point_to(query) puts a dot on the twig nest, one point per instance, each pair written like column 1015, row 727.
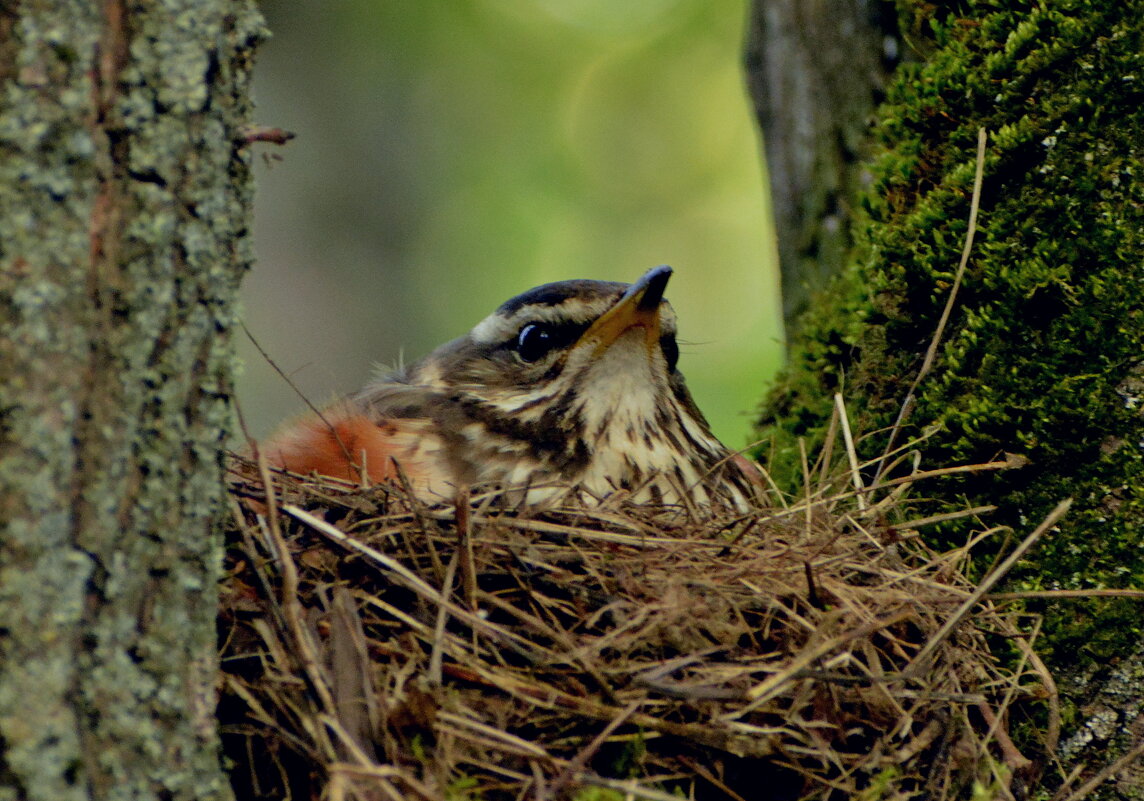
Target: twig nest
column 375, row 648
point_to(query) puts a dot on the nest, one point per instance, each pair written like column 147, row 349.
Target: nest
column 374, row 648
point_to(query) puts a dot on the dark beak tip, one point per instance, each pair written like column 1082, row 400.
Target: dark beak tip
column 652, row 285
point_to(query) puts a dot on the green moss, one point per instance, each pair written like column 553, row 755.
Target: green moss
column 598, row 794
column 1045, row 350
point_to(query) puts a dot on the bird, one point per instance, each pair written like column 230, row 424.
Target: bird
column 569, row 389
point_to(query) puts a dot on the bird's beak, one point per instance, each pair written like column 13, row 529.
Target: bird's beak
column 637, row 308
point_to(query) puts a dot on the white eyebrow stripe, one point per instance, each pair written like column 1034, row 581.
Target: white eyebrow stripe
column 497, row 328
column 489, row 330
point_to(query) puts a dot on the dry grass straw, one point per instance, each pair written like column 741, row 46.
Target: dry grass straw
column 378, row 649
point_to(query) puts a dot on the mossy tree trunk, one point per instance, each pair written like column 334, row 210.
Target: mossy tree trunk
column 124, row 212
column 1044, row 354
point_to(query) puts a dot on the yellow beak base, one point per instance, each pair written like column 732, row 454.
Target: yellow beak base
column 638, row 308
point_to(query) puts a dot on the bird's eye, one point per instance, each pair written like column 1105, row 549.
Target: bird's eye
column 670, row 350
column 534, row 342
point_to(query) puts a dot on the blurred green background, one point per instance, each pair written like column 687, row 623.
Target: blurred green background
column 453, row 153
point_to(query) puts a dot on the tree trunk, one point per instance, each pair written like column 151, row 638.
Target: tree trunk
column 816, row 70
column 124, row 215
column 1044, row 352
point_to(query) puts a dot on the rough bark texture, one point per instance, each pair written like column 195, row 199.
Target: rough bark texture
column 124, row 202
column 816, row 70
column 1045, row 351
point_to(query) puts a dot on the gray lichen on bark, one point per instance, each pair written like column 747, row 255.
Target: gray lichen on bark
column 124, row 203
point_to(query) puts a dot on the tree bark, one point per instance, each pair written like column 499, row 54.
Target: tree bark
column 816, row 69
column 1044, row 352
column 124, row 215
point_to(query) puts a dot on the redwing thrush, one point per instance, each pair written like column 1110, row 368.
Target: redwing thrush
column 570, row 386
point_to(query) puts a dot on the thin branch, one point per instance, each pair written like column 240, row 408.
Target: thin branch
column 248, row 134
column 298, row 392
column 935, row 342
